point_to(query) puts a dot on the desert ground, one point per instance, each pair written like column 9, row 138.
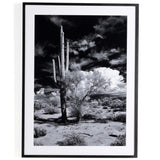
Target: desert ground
column 102, row 122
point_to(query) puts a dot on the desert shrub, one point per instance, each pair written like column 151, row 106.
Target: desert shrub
column 55, row 101
column 116, row 103
column 101, row 120
column 45, row 104
column 72, row 140
column 50, row 110
column 88, row 117
column 39, row 132
column 36, row 116
column 120, row 141
column 94, row 103
column 81, row 84
column 74, row 112
column 44, row 101
column 120, row 116
column 110, row 116
column 106, row 103
column 37, row 106
column 40, row 96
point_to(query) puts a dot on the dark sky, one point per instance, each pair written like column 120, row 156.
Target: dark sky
column 99, row 41
column 74, row 27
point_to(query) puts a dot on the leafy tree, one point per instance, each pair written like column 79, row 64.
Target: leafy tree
column 81, row 84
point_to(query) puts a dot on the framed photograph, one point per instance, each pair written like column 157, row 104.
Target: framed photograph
column 80, row 72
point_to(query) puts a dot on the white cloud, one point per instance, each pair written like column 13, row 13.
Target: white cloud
column 120, row 60
column 59, row 21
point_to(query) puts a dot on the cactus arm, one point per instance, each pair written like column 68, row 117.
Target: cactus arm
column 62, row 53
column 59, row 65
column 67, row 56
column 54, row 71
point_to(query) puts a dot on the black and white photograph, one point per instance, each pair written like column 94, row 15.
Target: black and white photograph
column 80, row 80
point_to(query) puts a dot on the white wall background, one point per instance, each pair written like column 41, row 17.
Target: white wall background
column 149, row 78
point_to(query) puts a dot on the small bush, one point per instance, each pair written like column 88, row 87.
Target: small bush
column 106, row 103
column 117, row 103
column 37, row 106
column 101, row 120
column 120, row 117
column 110, row 116
column 74, row 112
column 88, row 117
column 120, row 141
column 72, row 140
column 40, row 105
column 45, row 104
column 94, row 103
column 55, row 101
column 37, row 114
column 39, row 132
column 50, row 110
column 45, row 101
column 36, row 117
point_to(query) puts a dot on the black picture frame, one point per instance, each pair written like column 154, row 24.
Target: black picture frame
column 135, row 80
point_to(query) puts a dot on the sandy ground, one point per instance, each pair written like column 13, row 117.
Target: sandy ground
column 94, row 134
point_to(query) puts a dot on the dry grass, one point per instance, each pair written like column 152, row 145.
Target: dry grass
column 120, row 141
column 72, row 140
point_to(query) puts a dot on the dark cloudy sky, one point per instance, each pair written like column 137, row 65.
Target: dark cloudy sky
column 95, row 41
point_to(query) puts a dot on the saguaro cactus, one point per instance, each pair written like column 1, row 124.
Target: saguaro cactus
column 67, row 56
column 54, row 71
column 62, row 53
column 61, row 71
